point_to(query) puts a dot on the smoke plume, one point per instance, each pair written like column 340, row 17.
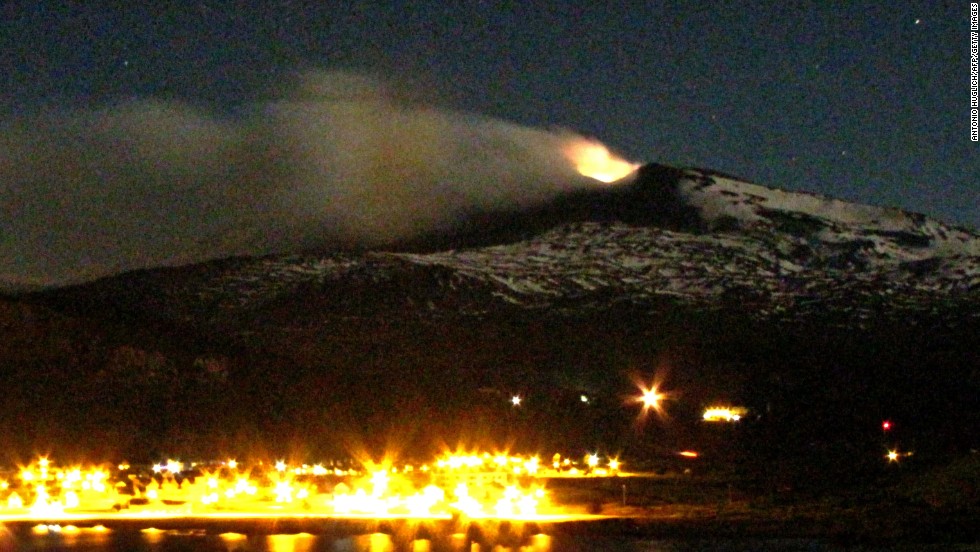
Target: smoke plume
column 334, row 162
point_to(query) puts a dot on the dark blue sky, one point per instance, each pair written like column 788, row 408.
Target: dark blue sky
column 866, row 101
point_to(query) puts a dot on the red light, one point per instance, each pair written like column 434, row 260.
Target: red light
column 886, row 425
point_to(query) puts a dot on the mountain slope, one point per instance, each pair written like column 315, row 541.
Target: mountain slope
column 695, row 237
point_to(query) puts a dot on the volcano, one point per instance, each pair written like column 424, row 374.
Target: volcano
column 791, row 303
column 698, row 238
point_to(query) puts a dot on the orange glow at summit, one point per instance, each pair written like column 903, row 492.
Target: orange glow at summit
column 594, row 160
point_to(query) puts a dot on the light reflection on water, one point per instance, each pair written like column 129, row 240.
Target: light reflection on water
column 71, row 539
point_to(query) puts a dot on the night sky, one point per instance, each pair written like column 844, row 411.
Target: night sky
column 866, row 101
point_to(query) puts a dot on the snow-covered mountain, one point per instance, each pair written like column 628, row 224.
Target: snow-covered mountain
column 692, row 237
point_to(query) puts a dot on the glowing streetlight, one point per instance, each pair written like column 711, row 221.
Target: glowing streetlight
column 892, row 456
column 651, row 398
column 516, row 400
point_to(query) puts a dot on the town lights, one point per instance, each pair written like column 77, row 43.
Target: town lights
column 724, row 413
column 474, row 485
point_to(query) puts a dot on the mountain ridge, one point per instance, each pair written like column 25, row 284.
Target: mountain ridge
column 664, row 231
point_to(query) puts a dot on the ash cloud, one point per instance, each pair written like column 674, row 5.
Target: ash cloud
column 336, row 161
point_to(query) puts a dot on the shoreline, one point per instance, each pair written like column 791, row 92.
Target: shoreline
column 673, row 522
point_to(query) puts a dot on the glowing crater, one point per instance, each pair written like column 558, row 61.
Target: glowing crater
column 594, row 160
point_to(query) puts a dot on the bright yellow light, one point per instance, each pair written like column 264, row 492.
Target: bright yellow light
column 594, row 160
column 892, row 456
column 472, row 485
column 724, row 413
column 516, row 400
column 651, row 399
column 174, row 466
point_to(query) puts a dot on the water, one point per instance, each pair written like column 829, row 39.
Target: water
column 104, row 540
